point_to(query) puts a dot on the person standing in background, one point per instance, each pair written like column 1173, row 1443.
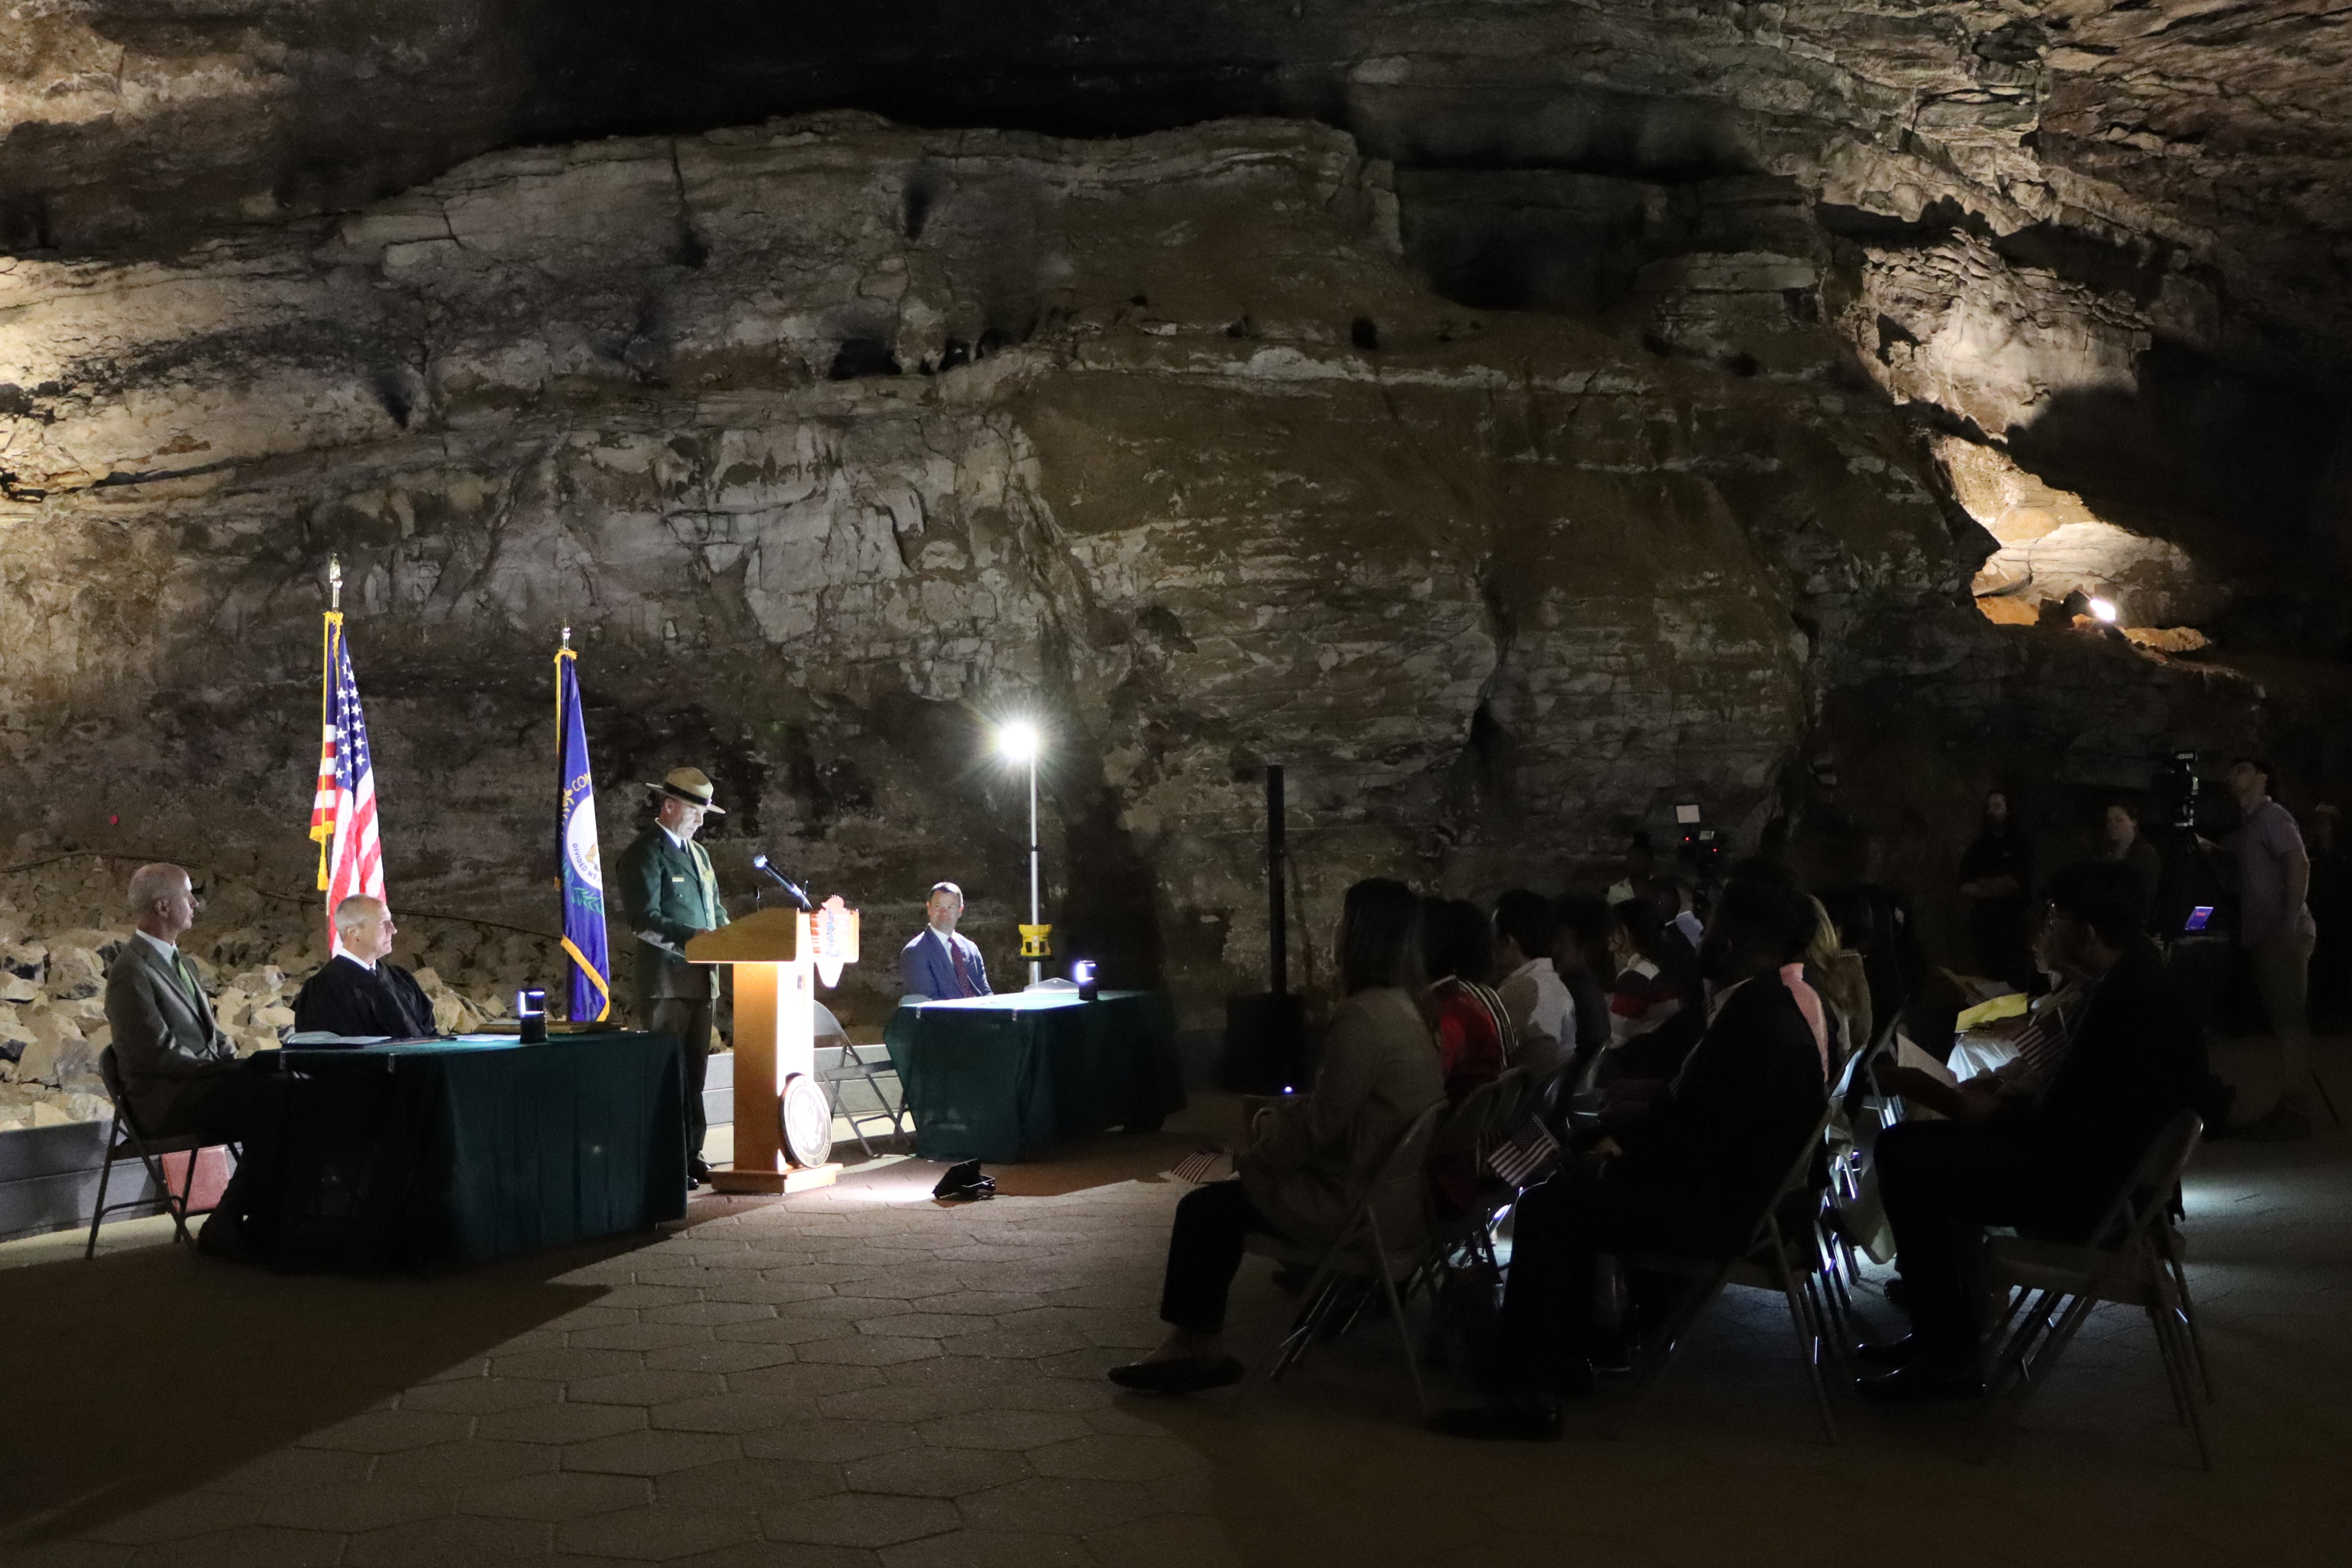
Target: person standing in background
column 2330, row 900
column 2124, row 843
column 1996, row 879
column 2275, row 927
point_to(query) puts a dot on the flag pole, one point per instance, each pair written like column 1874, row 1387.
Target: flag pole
column 324, row 831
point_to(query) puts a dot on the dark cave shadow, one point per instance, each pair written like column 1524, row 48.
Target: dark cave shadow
column 139, row 1375
column 2241, row 471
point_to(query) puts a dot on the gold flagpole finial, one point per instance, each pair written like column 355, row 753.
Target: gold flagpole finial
column 334, row 583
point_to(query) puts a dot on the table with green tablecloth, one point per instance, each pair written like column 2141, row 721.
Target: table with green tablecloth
column 435, row 1153
column 1007, row 1078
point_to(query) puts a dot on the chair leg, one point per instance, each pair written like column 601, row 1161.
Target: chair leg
column 1396, row 1312
column 1808, row 1334
column 2060, row 1335
column 105, row 1172
column 2188, row 1315
column 2189, row 1403
column 2329, row 1101
column 1650, row 1367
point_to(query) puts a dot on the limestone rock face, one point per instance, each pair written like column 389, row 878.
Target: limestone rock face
column 833, row 442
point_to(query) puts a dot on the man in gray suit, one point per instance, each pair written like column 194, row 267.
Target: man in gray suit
column 180, row 1073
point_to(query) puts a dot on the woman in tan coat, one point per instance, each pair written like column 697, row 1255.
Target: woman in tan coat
column 1379, row 1071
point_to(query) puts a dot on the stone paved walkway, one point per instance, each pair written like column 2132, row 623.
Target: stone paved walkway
column 862, row 1379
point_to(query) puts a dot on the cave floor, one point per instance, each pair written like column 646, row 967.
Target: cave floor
column 862, row 1378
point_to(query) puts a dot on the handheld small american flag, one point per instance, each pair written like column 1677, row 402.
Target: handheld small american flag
column 1517, row 1158
column 342, row 816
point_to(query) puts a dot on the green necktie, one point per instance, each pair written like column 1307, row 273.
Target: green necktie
column 187, row 979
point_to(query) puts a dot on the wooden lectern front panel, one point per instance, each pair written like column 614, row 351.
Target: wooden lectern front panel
column 758, row 1136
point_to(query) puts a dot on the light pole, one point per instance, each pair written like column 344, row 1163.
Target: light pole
column 1018, row 743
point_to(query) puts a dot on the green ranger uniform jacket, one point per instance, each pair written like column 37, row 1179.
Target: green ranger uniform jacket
column 670, row 894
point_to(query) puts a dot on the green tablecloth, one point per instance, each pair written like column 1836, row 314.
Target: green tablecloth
column 453, row 1151
column 1007, row 1078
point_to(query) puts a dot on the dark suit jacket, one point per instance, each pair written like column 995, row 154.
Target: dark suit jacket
column 346, row 998
column 1739, row 1112
column 925, row 970
column 670, row 893
column 164, row 1037
column 2137, row 1059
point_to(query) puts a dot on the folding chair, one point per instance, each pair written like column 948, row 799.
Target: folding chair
column 1361, row 1252
column 855, row 1067
column 1461, row 1139
column 1790, row 1261
column 125, row 1140
column 2131, row 1260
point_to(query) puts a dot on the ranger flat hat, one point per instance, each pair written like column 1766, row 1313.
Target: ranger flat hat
column 691, row 785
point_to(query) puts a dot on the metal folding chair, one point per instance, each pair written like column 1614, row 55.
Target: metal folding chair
column 1361, row 1252
column 2131, row 1260
column 1791, row 1261
column 125, row 1140
column 855, row 1067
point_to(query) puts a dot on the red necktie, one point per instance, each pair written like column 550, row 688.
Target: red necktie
column 963, row 979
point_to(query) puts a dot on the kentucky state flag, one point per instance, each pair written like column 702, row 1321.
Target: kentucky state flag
column 584, row 873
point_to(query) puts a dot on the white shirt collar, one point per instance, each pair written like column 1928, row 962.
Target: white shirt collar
column 169, row 950
column 673, row 838
column 363, row 963
column 1532, row 966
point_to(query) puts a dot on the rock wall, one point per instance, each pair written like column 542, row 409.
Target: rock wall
column 834, row 442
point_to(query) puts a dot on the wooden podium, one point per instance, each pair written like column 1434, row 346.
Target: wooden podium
column 778, row 956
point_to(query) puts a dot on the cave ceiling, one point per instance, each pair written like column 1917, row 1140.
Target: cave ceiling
column 2097, row 183
column 2207, row 136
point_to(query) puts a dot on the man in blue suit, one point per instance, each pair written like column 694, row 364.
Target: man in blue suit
column 938, row 965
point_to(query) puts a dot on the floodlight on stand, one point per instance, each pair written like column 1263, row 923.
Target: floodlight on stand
column 2104, row 611
column 1018, row 741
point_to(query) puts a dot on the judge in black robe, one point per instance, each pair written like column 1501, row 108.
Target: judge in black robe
column 361, row 991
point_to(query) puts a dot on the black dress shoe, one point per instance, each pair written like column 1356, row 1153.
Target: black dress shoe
column 697, row 1171
column 1515, row 1421
column 1922, row 1381
column 1178, row 1375
column 1887, row 1353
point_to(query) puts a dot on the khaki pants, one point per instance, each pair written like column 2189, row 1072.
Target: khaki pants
column 689, row 1019
column 2283, row 977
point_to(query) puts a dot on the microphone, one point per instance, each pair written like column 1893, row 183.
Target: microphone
column 759, row 863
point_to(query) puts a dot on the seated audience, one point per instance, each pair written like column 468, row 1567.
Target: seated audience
column 1378, row 1072
column 2039, row 1039
column 361, row 991
column 1581, row 956
column 1840, row 965
column 180, row 1075
column 1473, row 1034
column 1673, row 901
column 1719, row 1142
column 1540, row 1010
column 2051, row 1162
column 1649, row 988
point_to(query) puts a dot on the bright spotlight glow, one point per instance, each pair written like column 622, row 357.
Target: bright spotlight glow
column 1017, row 742
column 2105, row 610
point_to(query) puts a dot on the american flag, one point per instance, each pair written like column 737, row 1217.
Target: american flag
column 342, row 814
column 1519, row 1157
